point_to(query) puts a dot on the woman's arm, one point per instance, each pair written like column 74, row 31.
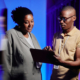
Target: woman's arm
column 7, row 59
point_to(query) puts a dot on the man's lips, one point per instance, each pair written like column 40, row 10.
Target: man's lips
column 62, row 25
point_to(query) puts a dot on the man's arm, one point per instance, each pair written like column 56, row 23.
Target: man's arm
column 72, row 64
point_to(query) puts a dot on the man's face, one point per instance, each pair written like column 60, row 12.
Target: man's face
column 68, row 23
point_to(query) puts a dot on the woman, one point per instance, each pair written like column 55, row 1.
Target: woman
column 18, row 62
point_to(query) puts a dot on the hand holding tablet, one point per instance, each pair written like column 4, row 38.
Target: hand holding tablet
column 42, row 55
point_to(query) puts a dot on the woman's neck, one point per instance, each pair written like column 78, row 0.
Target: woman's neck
column 26, row 34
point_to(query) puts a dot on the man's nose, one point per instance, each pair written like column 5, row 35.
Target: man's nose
column 61, row 21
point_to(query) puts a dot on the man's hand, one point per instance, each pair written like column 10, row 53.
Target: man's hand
column 48, row 48
column 58, row 59
column 69, row 64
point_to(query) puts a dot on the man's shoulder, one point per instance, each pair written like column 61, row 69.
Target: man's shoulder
column 57, row 34
column 77, row 31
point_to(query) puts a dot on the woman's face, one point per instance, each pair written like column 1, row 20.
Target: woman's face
column 28, row 23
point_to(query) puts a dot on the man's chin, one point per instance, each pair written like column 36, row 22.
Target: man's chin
column 63, row 28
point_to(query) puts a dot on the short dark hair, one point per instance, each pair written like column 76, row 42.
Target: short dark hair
column 68, row 8
column 19, row 13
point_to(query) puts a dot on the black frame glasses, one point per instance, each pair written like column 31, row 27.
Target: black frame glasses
column 64, row 18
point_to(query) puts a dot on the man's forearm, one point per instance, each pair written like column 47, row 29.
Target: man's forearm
column 73, row 64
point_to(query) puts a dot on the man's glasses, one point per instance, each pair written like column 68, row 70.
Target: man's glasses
column 64, row 18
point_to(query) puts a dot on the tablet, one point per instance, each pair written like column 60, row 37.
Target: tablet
column 42, row 55
column 1, row 57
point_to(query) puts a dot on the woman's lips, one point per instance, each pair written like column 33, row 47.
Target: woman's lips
column 29, row 28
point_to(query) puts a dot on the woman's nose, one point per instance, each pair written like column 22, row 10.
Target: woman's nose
column 29, row 24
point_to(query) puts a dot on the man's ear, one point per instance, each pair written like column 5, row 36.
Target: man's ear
column 74, row 18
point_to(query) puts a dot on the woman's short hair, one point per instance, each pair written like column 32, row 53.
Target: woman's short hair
column 19, row 13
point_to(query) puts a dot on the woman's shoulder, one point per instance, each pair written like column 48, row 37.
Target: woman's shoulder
column 10, row 31
column 31, row 34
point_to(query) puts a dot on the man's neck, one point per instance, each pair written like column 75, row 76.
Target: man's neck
column 67, row 30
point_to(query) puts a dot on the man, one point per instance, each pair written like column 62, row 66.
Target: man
column 66, row 46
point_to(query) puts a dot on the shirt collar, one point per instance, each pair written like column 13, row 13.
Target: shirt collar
column 70, row 33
